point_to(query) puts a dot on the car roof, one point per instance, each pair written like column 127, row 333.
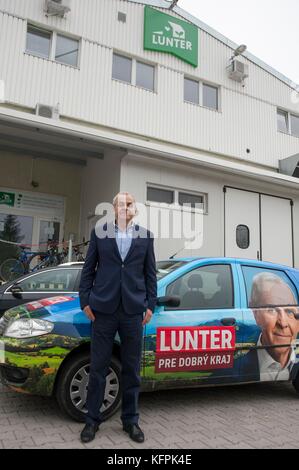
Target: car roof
column 230, row 260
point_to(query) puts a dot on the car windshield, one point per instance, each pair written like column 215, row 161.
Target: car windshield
column 163, row 268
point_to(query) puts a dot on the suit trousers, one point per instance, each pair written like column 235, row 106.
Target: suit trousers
column 104, row 329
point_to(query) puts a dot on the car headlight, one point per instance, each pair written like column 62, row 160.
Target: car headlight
column 28, row 327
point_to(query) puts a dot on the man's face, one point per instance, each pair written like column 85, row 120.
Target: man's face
column 125, row 208
column 278, row 324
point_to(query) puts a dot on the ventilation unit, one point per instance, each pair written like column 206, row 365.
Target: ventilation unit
column 238, row 71
column 57, row 7
column 50, row 112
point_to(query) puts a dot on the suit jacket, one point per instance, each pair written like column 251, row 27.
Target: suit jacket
column 106, row 278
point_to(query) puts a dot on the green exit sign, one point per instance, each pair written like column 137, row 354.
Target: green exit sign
column 7, row 199
column 165, row 33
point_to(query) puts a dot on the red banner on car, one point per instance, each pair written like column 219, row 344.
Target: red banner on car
column 195, row 348
column 31, row 306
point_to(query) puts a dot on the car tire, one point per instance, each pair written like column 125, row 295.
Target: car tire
column 69, row 394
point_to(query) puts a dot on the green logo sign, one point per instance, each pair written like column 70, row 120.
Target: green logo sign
column 164, row 33
column 8, row 199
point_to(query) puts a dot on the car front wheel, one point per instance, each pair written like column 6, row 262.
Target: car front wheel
column 71, row 389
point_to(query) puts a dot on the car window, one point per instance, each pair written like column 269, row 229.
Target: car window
column 207, row 287
column 268, row 286
column 56, row 280
column 163, row 268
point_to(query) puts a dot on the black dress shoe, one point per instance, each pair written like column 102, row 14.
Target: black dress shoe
column 134, row 432
column 89, row 432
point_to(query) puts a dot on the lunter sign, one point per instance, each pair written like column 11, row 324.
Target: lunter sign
column 165, row 33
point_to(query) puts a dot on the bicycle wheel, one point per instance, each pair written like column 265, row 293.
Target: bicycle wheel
column 37, row 261
column 11, row 269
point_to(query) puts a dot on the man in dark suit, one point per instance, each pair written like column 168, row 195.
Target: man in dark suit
column 118, row 284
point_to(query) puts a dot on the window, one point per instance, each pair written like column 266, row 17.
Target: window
column 205, row 288
column 122, row 68
column 38, row 42
column 191, row 91
column 160, row 195
column 295, row 125
column 259, row 282
column 194, row 201
column 145, row 76
column 200, row 93
column 134, row 72
column 56, row 280
column 163, row 268
column 53, row 46
column 67, row 50
column 282, row 121
column 178, row 198
column 210, row 96
column 243, row 237
column 288, row 122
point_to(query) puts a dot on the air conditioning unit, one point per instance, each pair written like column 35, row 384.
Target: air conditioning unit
column 45, row 111
column 238, row 71
column 57, row 7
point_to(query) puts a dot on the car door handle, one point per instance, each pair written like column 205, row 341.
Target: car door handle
column 228, row 321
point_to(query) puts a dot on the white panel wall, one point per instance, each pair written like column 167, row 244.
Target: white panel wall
column 247, row 118
column 100, row 183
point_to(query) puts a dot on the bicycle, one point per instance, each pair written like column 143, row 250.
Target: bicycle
column 79, row 256
column 29, row 261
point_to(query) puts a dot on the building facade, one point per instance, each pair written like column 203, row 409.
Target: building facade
column 126, row 95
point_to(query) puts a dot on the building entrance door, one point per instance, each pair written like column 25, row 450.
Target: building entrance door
column 258, row 226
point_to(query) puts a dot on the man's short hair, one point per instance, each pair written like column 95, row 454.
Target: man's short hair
column 258, row 286
column 123, row 193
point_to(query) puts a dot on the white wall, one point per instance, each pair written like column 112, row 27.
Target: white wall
column 100, row 183
column 247, row 118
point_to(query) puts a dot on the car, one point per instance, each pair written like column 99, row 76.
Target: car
column 47, row 282
column 218, row 321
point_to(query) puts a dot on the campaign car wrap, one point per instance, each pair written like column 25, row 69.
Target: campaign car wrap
column 41, row 355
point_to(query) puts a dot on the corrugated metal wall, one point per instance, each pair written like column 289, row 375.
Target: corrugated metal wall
column 248, row 114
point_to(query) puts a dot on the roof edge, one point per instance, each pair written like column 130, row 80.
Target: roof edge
column 220, row 37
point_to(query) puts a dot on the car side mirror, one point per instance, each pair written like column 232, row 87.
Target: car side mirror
column 169, row 301
column 16, row 291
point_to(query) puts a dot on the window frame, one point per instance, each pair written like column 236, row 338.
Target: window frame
column 249, row 240
column 179, row 309
column 53, row 41
column 134, row 71
column 175, row 205
column 282, row 111
column 289, row 115
column 8, row 289
column 201, row 85
column 290, row 124
column 264, row 269
column 43, row 30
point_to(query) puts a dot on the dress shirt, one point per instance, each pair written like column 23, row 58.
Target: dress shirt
column 124, row 238
column 271, row 370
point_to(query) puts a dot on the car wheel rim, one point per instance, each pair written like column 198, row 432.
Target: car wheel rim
column 79, row 386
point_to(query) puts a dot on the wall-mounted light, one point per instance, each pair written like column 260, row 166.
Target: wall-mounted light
column 240, row 50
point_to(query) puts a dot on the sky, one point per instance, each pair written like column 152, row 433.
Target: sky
column 269, row 28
